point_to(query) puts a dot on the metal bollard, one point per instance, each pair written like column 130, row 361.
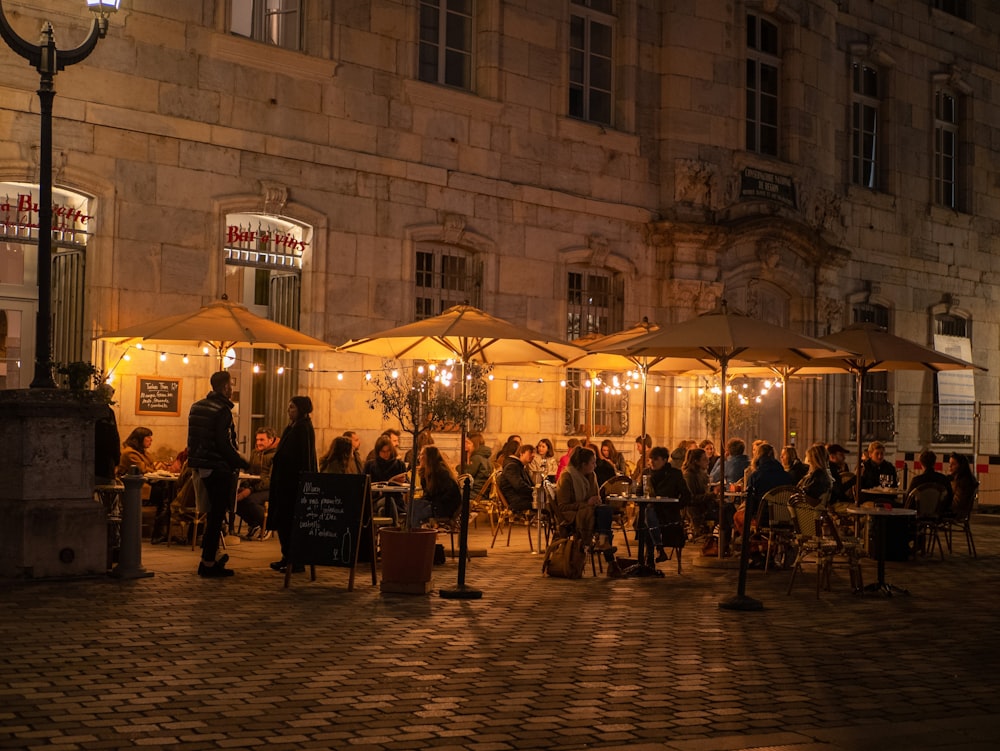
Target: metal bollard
column 130, row 554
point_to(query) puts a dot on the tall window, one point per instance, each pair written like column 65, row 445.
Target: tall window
column 954, row 7
column 445, row 275
column 263, row 255
column 864, row 125
column 595, row 403
column 877, row 419
column 945, row 149
column 954, row 390
column 591, row 65
column 446, row 42
column 277, row 22
column 763, row 76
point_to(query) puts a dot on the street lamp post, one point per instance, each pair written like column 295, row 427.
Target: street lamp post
column 48, row 61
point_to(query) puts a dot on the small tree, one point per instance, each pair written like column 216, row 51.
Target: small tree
column 418, row 402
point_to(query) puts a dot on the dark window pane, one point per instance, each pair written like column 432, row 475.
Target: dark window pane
column 768, row 79
column 600, row 39
column 768, row 140
column 576, row 66
column 459, row 32
column 460, row 6
column 751, row 74
column 576, row 101
column 457, row 69
column 768, row 110
column 604, row 6
column 429, row 24
column 600, row 73
column 768, row 37
column 576, row 32
column 751, row 32
column 870, row 82
column 600, row 107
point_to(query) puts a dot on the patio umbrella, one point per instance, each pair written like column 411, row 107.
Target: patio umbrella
column 221, row 324
column 722, row 336
column 877, row 350
column 466, row 334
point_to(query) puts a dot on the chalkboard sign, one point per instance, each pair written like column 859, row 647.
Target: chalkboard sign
column 158, row 396
column 331, row 513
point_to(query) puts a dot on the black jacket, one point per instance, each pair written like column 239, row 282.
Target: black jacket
column 212, row 435
column 296, row 453
column 516, row 484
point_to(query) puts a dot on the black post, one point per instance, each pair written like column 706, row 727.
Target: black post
column 47, row 60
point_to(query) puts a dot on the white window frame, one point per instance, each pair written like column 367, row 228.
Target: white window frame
column 756, row 61
column 946, row 177
column 866, row 125
column 591, row 13
column 438, row 288
column 445, row 47
column 274, row 22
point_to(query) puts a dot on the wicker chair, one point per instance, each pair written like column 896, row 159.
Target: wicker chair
column 817, row 537
column 928, row 500
column 777, row 525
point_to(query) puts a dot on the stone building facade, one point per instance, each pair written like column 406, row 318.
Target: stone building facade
column 346, row 166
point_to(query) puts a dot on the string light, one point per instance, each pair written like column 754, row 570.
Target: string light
column 256, row 368
column 516, row 385
column 281, row 370
column 311, row 366
column 163, row 357
column 340, row 375
column 186, row 360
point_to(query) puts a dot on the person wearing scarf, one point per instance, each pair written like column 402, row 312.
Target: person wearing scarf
column 578, row 502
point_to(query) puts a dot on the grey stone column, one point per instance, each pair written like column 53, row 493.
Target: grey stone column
column 50, row 524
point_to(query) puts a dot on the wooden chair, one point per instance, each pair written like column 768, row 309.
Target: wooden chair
column 776, row 526
column 619, row 485
column 507, row 516
column 928, row 500
column 817, row 537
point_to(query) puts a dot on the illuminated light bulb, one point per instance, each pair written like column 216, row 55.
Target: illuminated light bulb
column 163, row 357
column 656, row 389
column 541, row 380
column 701, row 392
column 586, row 384
column 489, row 377
column 449, row 362
column 138, row 345
column 746, row 385
column 607, row 389
column 562, row 383
column 757, row 400
column 517, row 385
column 779, row 384
column 394, row 374
column 340, row 375
column 420, row 369
column 729, row 389
column 763, row 392
column 614, row 381
column 597, row 381
column 109, row 379
column 311, row 366
column 185, row 360
column 680, row 389
column 281, row 370
column 368, row 375
column 767, row 383
column 204, row 350
column 127, row 357
column 432, row 367
column 256, row 368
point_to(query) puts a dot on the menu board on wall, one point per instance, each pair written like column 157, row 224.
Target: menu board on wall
column 158, row 396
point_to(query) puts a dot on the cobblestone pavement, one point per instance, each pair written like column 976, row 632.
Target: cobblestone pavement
column 179, row 662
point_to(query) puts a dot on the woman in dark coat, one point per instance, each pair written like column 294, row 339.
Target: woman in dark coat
column 296, row 453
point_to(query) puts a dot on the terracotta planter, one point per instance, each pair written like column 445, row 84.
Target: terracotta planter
column 407, row 560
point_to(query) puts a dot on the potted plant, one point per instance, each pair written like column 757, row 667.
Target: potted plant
column 418, row 400
column 80, row 375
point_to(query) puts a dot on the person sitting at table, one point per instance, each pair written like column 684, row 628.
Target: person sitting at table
column 543, row 464
column 843, row 489
column 578, row 502
column 386, row 467
column 605, row 470
column 963, row 486
column 571, row 444
column 355, row 451
column 339, row 458
column 424, row 438
column 795, row 467
column 736, row 463
column 478, row 464
column 713, row 456
column 507, row 448
column 393, row 435
column 928, row 460
column 664, row 522
column 703, row 509
column 817, row 484
column 253, row 494
column 767, row 473
column 679, row 454
column 876, row 471
column 441, row 497
column 515, row 482
column 643, row 443
column 135, row 454
column 611, row 454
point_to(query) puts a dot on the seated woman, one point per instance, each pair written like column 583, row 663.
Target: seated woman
column 339, row 459
column 478, row 465
column 385, row 467
column 876, row 471
column 442, row 497
column 543, row 464
column 663, row 521
column 963, row 486
column 578, row 502
column 134, row 454
column 795, row 467
column 767, row 473
column 704, row 505
column 818, row 483
column 617, row 459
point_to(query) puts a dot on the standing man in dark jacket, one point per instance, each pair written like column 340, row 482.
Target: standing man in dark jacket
column 212, row 455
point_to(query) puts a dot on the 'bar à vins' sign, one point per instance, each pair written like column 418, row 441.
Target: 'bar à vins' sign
column 755, row 183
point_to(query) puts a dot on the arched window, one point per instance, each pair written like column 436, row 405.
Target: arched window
column 263, row 259
column 71, row 224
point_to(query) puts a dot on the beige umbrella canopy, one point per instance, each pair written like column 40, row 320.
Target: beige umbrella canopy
column 723, row 336
column 221, row 324
column 466, row 334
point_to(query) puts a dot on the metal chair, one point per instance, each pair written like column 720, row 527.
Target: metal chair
column 959, row 519
column 507, row 516
column 777, row 526
column 619, row 485
column 817, row 536
column 928, row 500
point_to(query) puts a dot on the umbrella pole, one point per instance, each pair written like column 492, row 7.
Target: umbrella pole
column 739, row 601
column 859, row 390
column 461, row 592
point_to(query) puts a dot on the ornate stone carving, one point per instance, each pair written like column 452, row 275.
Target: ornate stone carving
column 452, row 227
column 599, row 249
column 693, row 182
column 825, row 210
column 275, row 197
